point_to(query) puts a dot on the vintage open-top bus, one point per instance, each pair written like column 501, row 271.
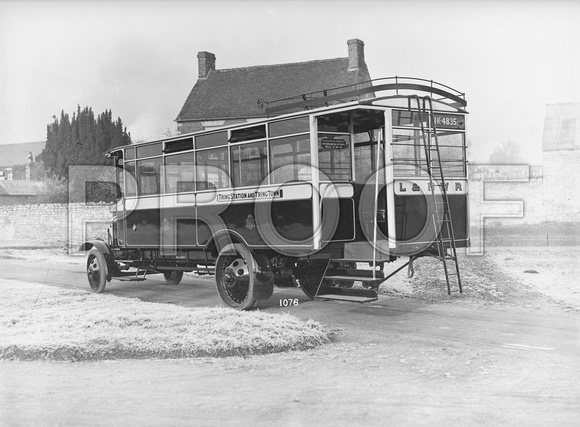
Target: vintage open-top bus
column 329, row 180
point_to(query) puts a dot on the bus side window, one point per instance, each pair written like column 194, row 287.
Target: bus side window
column 120, row 179
column 179, row 173
column 130, row 180
column 249, row 163
column 212, row 169
column 290, row 159
column 148, row 176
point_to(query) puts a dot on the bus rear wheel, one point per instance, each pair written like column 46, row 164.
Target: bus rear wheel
column 173, row 277
column 236, row 276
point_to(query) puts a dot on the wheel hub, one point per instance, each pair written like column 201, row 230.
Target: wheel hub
column 93, row 269
column 236, row 275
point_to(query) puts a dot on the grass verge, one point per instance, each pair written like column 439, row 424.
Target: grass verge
column 44, row 322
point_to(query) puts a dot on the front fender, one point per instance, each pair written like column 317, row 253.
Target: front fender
column 112, row 269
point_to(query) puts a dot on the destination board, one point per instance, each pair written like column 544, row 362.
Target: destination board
column 449, row 121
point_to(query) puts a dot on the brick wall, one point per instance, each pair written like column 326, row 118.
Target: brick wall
column 506, row 194
column 54, row 223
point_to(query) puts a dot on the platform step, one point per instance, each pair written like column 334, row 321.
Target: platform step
column 351, row 298
column 132, row 279
column 349, row 292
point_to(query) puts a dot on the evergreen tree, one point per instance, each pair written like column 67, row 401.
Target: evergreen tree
column 81, row 140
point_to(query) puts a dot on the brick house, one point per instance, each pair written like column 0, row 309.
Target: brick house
column 230, row 96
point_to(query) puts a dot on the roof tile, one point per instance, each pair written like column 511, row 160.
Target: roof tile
column 233, row 93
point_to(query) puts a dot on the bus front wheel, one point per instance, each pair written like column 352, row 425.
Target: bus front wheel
column 237, row 277
column 97, row 270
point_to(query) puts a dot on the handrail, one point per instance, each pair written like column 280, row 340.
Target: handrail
column 357, row 92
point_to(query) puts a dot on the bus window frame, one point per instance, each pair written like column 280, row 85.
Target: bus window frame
column 165, row 175
column 212, row 188
column 419, row 172
column 300, row 137
column 266, row 173
column 160, row 177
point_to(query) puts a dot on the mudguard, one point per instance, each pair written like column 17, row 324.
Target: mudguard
column 263, row 290
column 112, row 269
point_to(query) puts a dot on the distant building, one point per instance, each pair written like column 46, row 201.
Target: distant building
column 18, row 154
column 561, row 161
column 230, row 96
column 548, row 192
column 19, row 192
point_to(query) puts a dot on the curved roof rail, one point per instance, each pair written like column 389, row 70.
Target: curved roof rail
column 382, row 88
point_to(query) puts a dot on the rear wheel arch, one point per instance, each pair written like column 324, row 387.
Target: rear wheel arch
column 220, row 240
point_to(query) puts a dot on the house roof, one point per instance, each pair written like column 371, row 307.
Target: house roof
column 21, row 188
column 233, row 93
column 17, row 154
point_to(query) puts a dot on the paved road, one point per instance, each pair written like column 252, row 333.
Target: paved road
column 396, row 361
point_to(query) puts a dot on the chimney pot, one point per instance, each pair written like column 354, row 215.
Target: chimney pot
column 356, row 54
column 205, row 63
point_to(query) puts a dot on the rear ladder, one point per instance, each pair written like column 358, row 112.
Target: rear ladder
column 446, row 249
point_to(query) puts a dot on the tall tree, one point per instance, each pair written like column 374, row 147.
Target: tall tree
column 81, row 140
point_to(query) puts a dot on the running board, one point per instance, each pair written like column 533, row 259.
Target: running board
column 350, row 298
column 337, row 283
column 348, row 294
column 366, row 279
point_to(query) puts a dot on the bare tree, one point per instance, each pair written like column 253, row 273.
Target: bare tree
column 508, row 152
column 168, row 132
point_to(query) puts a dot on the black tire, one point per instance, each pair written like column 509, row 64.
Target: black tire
column 96, row 270
column 173, row 277
column 236, row 275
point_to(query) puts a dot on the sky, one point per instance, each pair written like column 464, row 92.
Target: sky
column 139, row 58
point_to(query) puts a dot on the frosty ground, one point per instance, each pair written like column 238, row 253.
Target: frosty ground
column 505, row 351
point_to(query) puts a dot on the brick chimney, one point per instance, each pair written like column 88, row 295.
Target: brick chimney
column 356, row 54
column 205, row 63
